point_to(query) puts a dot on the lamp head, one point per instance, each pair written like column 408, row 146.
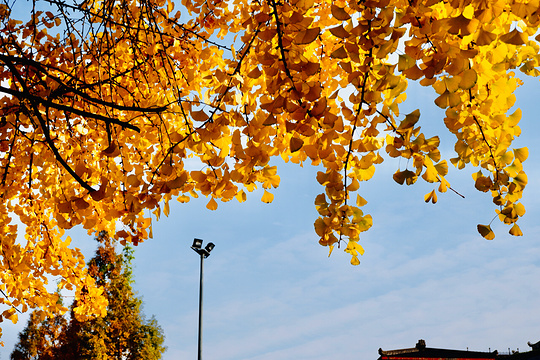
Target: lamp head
column 197, row 244
column 209, row 247
column 197, row 247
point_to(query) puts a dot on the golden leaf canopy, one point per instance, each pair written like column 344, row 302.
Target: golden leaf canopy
column 104, row 101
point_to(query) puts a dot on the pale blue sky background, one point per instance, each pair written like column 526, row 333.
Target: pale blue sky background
column 271, row 292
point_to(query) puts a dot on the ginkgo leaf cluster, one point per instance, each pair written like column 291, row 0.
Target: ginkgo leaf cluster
column 112, row 109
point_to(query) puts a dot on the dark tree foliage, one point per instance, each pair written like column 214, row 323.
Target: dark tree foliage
column 123, row 333
column 40, row 339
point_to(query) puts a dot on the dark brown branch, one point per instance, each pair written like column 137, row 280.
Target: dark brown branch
column 34, row 101
column 362, row 102
column 55, row 151
column 8, row 161
column 48, row 103
column 280, row 41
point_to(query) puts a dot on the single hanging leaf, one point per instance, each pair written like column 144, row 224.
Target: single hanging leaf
column 515, row 230
column 486, row 232
column 521, row 154
column 405, row 176
column 360, row 201
column 431, row 196
column 212, row 204
column 166, row 209
column 267, row 197
column 241, row 196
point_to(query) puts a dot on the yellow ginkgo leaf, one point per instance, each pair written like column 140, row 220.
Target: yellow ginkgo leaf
column 320, row 226
column 410, row 120
column 521, row 179
column 307, row 36
column 486, row 232
column 255, row 73
column 521, row 154
column 468, row 12
column 442, row 168
column 360, row 201
column 166, row 208
column 212, row 204
column 267, row 197
column 461, row 25
column 515, row 230
column 199, row 115
column 431, row 196
column 448, row 99
column 296, row 144
column 339, row 32
column 519, row 209
column 405, row 176
column 111, row 151
column 405, row 62
column 267, row 34
column 339, row 13
column 178, row 182
column 353, row 186
column 485, row 37
column 241, row 196
column 514, row 37
column 468, row 79
column 339, row 53
column 183, row 199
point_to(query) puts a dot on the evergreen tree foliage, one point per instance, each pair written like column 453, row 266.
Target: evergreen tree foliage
column 123, row 333
column 40, row 339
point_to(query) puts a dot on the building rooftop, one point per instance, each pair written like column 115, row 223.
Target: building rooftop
column 420, row 351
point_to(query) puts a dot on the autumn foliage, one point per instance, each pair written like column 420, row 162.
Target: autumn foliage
column 122, row 334
column 112, row 109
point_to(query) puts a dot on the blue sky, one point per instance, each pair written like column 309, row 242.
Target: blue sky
column 271, row 292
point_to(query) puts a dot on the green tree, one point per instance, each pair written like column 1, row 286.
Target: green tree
column 123, row 333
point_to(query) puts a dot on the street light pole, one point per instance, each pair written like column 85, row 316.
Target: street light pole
column 199, row 356
column 203, row 253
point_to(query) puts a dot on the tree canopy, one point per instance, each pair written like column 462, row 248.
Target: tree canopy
column 113, row 108
column 123, row 333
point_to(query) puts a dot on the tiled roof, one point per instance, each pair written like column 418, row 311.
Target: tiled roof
column 420, row 351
